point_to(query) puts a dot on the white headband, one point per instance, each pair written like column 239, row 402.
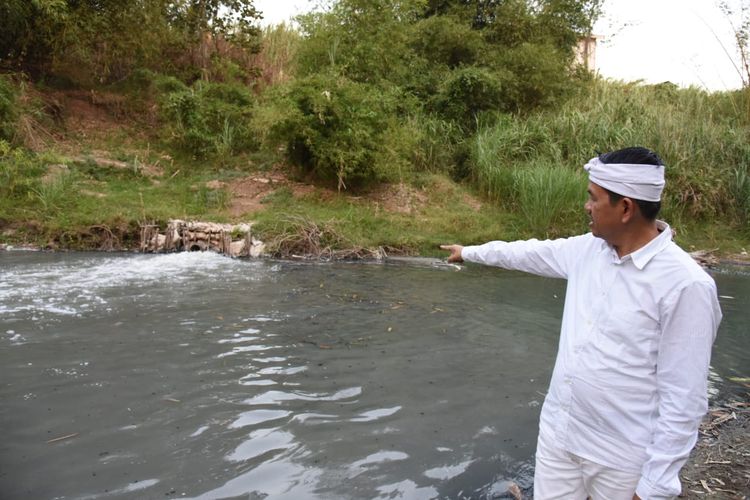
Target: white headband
column 640, row 182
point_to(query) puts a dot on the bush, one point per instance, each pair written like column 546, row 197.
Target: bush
column 741, row 191
column 535, row 76
column 210, row 119
column 335, row 128
column 8, row 109
column 446, row 40
column 19, row 175
column 467, row 92
column 702, row 141
column 549, row 198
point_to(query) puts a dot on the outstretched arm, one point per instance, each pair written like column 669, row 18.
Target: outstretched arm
column 550, row 258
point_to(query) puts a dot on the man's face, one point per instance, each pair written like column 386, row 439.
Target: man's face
column 606, row 219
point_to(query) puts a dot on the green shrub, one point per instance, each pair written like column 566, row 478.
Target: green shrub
column 701, row 137
column 19, row 171
column 446, row 40
column 55, row 195
column 335, row 128
column 440, row 146
column 210, row 119
column 741, row 191
column 467, row 92
column 534, row 76
column 8, row 109
column 549, row 198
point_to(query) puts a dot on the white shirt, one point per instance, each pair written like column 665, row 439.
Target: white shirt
column 629, row 387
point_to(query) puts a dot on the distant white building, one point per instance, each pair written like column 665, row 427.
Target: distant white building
column 586, row 52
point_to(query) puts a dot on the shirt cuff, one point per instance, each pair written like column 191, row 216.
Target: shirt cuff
column 647, row 491
column 468, row 252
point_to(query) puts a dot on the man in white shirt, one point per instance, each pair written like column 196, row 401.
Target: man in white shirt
column 629, row 387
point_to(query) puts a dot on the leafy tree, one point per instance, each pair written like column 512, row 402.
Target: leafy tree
column 233, row 20
column 468, row 92
column 104, row 40
column 364, row 39
column 334, row 128
column 445, row 40
column 30, row 31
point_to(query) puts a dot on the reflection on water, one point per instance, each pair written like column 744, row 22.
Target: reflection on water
column 196, row 376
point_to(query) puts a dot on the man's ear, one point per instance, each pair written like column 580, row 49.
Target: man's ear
column 629, row 208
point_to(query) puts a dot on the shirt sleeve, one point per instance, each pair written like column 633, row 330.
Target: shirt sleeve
column 689, row 323
column 549, row 258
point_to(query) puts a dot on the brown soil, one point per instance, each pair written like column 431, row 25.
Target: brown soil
column 398, row 198
column 248, row 194
column 88, row 117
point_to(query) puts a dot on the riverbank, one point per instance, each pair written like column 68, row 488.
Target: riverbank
column 719, row 465
column 92, row 168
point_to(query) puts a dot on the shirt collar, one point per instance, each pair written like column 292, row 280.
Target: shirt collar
column 643, row 255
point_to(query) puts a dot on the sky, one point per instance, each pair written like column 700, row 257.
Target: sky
column 687, row 42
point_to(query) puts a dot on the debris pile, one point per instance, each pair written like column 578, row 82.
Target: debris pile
column 720, row 463
column 235, row 240
column 706, row 258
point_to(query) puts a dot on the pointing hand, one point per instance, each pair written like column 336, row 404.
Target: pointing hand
column 455, row 251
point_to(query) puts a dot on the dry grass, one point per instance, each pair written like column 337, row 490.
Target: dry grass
column 303, row 238
column 719, row 466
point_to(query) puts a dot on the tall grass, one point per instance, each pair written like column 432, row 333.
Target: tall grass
column 550, row 199
column 275, row 61
column 703, row 139
column 55, row 195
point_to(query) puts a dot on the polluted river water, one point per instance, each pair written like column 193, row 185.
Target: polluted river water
column 198, row 376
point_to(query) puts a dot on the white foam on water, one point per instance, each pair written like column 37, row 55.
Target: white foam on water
column 379, row 458
column 75, row 286
column 372, row 415
column 132, row 487
column 448, row 471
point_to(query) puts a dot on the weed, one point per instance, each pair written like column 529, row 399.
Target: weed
column 549, row 198
column 8, row 109
column 55, row 195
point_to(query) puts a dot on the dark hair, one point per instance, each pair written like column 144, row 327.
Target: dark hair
column 639, row 156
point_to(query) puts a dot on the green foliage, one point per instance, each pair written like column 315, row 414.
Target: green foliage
column 740, row 189
column 701, row 137
column 210, row 119
column 549, row 198
column 334, row 128
column 55, row 195
column 8, row 109
column 277, row 58
column 534, row 76
column 445, row 40
column 31, row 31
column 233, row 20
column 439, row 145
column 204, row 200
column 468, row 92
column 94, row 43
column 366, row 40
column 18, row 171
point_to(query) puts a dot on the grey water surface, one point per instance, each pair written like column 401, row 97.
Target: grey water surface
column 197, row 376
